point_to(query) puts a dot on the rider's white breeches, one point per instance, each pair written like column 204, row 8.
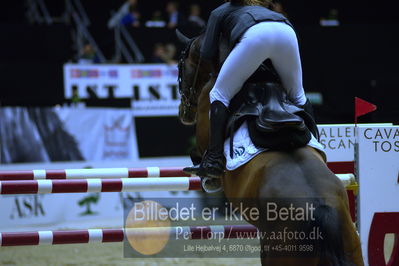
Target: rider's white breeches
column 276, row 41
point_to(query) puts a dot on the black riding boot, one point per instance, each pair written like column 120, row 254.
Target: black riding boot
column 213, row 162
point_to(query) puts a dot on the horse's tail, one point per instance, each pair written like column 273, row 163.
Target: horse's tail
column 330, row 244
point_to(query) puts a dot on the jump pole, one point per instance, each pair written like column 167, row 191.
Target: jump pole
column 118, row 235
column 100, row 185
column 112, row 185
column 115, row 173
column 108, row 173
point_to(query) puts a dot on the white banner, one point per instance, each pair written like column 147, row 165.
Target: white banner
column 339, row 141
column 101, row 134
column 51, row 212
column 70, row 211
column 378, row 169
column 152, row 87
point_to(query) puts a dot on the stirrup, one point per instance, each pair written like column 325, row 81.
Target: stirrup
column 211, row 185
column 198, row 170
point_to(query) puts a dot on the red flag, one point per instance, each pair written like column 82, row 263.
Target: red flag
column 363, row 107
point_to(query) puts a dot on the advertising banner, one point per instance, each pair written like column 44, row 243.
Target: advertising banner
column 378, row 170
column 151, row 87
column 338, row 141
column 101, row 134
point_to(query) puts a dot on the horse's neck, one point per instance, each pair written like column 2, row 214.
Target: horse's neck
column 202, row 128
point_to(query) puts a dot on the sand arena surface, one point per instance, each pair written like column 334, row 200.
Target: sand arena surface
column 111, row 254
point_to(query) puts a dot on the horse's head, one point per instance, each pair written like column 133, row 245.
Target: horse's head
column 193, row 75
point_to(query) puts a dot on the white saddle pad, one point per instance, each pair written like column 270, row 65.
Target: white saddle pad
column 245, row 150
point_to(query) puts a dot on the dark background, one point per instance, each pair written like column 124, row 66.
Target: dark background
column 358, row 58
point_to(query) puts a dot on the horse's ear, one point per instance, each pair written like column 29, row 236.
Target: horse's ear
column 182, row 38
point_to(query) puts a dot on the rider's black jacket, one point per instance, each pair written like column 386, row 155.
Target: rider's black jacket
column 232, row 21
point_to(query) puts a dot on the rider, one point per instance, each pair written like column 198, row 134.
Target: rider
column 254, row 33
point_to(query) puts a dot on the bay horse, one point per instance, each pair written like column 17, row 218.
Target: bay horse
column 299, row 173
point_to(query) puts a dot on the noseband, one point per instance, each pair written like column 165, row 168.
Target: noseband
column 189, row 100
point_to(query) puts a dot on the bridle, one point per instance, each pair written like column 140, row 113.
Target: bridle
column 189, row 100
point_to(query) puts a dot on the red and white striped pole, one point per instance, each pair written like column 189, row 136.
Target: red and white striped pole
column 100, row 185
column 61, row 237
column 108, row 173
column 118, row 235
column 115, row 173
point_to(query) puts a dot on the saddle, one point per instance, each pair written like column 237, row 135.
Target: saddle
column 274, row 122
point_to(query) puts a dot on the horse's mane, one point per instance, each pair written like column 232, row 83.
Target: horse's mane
column 224, row 49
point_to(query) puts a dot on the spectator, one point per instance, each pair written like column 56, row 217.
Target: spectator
column 132, row 18
column 195, row 16
column 159, row 54
column 88, row 55
column 331, row 20
column 333, row 14
column 156, row 20
column 170, row 53
column 164, row 54
column 174, row 16
column 124, row 10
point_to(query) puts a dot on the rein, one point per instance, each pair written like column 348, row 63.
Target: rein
column 190, row 100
